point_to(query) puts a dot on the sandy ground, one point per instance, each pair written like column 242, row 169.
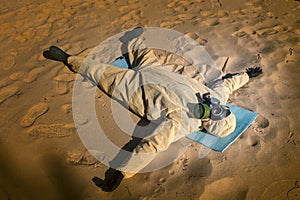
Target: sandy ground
column 42, row 156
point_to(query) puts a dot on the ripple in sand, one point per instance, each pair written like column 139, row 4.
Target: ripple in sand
column 33, row 114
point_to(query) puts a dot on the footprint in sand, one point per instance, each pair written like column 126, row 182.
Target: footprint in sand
column 216, row 3
column 54, row 71
column 231, row 189
column 62, row 88
column 66, row 108
column 211, row 22
column 160, row 189
column 81, row 158
column 170, row 24
column 5, row 81
column 65, row 77
column 245, row 31
column 62, row 82
column 253, row 141
column 33, row 74
column 184, row 162
column 186, row 16
column 17, row 76
column 283, row 189
column 126, row 8
column 157, row 191
column 260, row 124
column 8, row 92
column 196, row 37
column 33, row 113
column 272, row 30
column 129, row 19
column 52, row 130
column 8, row 61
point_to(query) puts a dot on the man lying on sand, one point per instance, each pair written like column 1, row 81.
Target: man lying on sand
column 170, row 102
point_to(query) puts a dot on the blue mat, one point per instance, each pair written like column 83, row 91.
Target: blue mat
column 120, row 62
column 244, row 119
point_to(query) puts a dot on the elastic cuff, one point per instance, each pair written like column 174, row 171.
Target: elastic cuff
column 74, row 63
column 127, row 175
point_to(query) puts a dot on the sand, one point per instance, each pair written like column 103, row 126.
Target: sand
column 41, row 155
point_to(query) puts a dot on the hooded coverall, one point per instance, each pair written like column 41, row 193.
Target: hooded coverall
column 155, row 93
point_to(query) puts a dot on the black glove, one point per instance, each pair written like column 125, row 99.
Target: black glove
column 112, row 180
column 229, row 75
column 253, row 72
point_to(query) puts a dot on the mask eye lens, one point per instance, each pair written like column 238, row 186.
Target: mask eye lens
column 217, row 111
column 214, row 101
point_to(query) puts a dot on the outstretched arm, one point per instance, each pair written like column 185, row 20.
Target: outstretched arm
column 237, row 80
column 232, row 82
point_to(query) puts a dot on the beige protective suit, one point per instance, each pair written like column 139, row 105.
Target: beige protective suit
column 153, row 92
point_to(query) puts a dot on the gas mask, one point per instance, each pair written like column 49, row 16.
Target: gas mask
column 209, row 107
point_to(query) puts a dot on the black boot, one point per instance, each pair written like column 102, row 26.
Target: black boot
column 57, row 54
column 112, row 180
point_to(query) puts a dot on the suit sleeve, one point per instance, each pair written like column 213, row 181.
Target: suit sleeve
column 236, row 81
column 223, row 88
